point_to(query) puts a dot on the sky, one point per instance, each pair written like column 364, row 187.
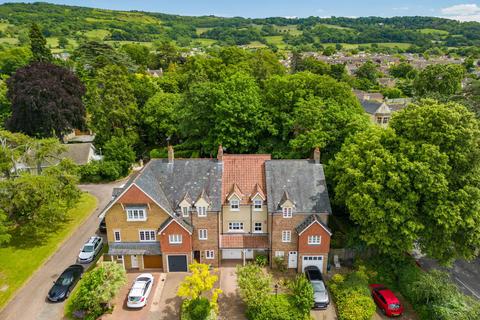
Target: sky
column 461, row 10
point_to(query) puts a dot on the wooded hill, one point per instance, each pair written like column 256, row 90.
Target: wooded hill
column 79, row 23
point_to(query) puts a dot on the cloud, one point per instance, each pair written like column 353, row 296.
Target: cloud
column 401, row 8
column 462, row 12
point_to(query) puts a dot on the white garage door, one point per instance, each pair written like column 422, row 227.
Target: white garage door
column 316, row 261
column 231, row 254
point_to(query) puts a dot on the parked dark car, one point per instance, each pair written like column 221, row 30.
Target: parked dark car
column 103, row 226
column 320, row 293
column 65, row 283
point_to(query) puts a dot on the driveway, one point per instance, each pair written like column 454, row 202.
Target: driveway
column 169, row 304
column 230, row 303
column 30, row 302
column 327, row 314
column 465, row 274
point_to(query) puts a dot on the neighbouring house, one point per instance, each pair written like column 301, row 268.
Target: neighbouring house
column 79, row 153
column 234, row 207
column 378, row 108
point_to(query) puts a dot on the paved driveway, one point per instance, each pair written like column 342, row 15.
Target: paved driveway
column 30, row 301
column 230, row 304
column 327, row 314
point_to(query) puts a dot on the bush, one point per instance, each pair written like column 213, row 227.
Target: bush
column 254, row 284
column 118, row 150
column 274, row 308
column 99, row 171
column 196, row 309
column 352, row 296
column 261, row 261
column 280, row 263
column 302, row 294
column 95, row 291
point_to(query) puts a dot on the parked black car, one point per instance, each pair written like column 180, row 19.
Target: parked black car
column 65, row 283
column 320, row 293
column 103, row 226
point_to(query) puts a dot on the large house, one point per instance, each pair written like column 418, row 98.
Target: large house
column 234, row 207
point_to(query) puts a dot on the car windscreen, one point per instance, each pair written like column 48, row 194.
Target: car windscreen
column 88, row 248
column 65, row 279
column 394, row 306
column 134, row 299
column 318, row 286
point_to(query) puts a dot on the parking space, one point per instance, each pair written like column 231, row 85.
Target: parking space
column 327, row 314
column 230, row 303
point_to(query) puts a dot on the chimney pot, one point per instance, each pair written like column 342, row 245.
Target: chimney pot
column 220, row 153
column 170, row 154
column 316, row 155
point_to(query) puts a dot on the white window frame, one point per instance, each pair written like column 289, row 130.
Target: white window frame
column 147, row 234
column 234, row 205
column 175, row 239
column 286, row 236
column 115, row 232
column 255, row 227
column 315, row 240
column 259, row 203
column 231, row 224
column 185, row 211
column 131, row 214
column 202, row 211
column 287, row 212
column 209, row 254
column 280, row 254
column 202, row 234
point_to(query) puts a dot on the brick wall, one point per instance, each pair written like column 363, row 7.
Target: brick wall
column 210, row 222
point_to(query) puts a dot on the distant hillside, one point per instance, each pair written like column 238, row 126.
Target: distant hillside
column 77, row 23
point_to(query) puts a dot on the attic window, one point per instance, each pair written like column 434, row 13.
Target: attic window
column 287, row 212
column 202, row 211
column 234, row 205
column 257, row 204
column 185, row 211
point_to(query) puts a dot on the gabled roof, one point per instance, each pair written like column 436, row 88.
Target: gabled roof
column 258, row 191
column 285, row 198
column 311, row 219
column 235, row 190
column 305, row 182
column 371, row 106
column 167, row 184
column 183, row 223
column 186, row 198
column 246, row 171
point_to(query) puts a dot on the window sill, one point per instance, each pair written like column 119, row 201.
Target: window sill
column 136, row 220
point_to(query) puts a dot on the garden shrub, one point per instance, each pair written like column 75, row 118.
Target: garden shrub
column 274, row 307
column 280, row 263
column 196, row 309
column 352, row 295
column 261, row 260
column 301, row 294
column 254, row 284
column 99, row 171
column 96, row 290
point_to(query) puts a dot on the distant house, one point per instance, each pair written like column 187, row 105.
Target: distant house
column 379, row 109
column 155, row 73
column 79, row 153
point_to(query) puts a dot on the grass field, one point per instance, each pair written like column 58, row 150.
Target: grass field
column 204, row 41
column 332, row 26
column 256, row 45
column 292, row 29
column 199, row 31
column 4, row 25
column 98, row 34
column 120, row 43
column 9, row 40
column 349, row 46
column 18, row 264
column 434, row 31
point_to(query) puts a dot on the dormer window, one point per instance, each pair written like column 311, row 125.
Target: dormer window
column 257, row 204
column 202, row 211
column 185, row 211
column 136, row 214
column 235, row 205
column 287, row 212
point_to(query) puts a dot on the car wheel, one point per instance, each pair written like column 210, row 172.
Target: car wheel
column 383, row 311
column 67, row 294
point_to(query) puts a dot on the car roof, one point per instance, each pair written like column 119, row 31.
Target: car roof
column 138, row 287
column 92, row 240
column 389, row 295
column 74, row 266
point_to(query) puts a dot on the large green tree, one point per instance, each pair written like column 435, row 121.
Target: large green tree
column 415, row 182
column 228, row 113
column 439, row 79
column 13, row 59
column 38, row 45
column 46, row 101
column 111, row 103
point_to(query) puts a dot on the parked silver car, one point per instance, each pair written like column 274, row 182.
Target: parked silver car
column 90, row 250
column 320, row 293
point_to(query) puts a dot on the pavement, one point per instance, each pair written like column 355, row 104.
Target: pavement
column 466, row 275
column 230, row 303
column 30, row 303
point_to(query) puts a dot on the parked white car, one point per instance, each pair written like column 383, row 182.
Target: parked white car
column 90, row 250
column 138, row 295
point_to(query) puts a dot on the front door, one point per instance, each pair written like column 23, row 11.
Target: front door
column 196, row 255
column 134, row 261
column 292, row 259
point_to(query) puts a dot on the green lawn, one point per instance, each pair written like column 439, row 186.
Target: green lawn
column 381, row 44
column 9, row 40
column 98, row 34
column 204, row 41
column 199, row 31
column 292, row 29
column 434, row 31
column 332, row 26
column 18, row 264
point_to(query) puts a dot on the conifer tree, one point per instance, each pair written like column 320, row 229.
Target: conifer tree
column 38, row 45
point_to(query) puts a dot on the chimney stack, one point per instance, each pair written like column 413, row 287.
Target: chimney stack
column 220, row 153
column 316, row 155
column 170, row 154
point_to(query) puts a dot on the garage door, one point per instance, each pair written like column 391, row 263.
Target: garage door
column 231, row 254
column 177, row 263
column 316, row 261
column 152, row 262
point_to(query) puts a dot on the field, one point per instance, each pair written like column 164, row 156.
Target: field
column 199, row 31
column 204, row 42
column 434, row 31
column 292, row 29
column 9, row 40
column 17, row 263
column 349, row 46
column 98, row 34
column 332, row 26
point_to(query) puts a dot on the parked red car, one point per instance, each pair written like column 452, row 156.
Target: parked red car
column 386, row 300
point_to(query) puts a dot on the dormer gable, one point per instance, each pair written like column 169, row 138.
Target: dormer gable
column 258, row 193
column 286, row 201
column 235, row 192
column 202, row 204
column 185, row 205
